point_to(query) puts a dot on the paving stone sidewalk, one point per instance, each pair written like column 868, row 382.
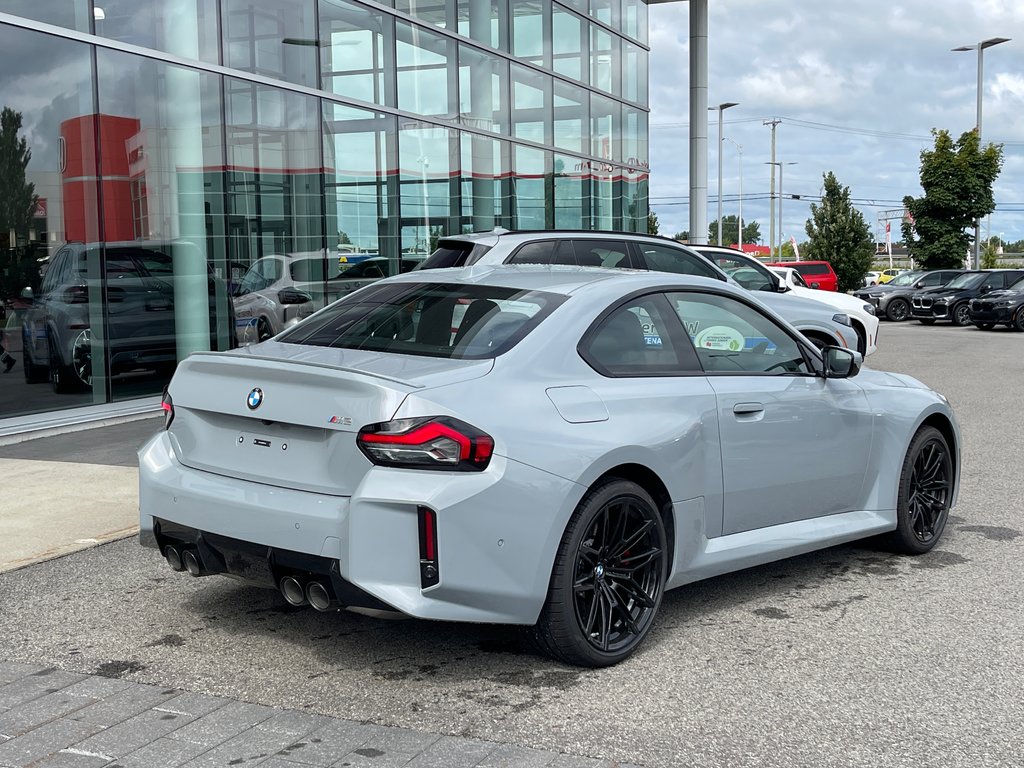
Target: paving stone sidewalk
column 50, row 718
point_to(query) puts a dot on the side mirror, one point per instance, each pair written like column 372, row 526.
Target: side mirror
column 986, row 288
column 27, row 293
column 815, row 285
column 293, row 296
column 841, row 363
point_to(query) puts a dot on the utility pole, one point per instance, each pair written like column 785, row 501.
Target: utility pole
column 771, row 214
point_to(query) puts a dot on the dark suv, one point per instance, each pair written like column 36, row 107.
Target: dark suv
column 892, row 299
column 952, row 301
column 138, row 309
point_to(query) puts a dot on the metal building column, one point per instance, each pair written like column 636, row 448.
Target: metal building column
column 698, row 121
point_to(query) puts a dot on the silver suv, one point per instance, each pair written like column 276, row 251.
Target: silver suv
column 628, row 250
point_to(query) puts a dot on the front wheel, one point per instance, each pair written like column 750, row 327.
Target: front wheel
column 608, row 578
column 925, row 493
column 961, row 315
column 897, row 310
column 1018, row 320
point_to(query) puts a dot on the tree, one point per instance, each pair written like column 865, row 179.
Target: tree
column 652, row 223
column 730, row 227
column 17, row 196
column 839, row 235
column 990, row 253
column 682, row 236
column 343, row 238
column 957, row 178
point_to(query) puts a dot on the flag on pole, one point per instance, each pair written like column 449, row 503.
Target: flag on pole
column 796, row 248
column 888, row 239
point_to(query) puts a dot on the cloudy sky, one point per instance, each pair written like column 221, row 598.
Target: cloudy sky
column 858, row 87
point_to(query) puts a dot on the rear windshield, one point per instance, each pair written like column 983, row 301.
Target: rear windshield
column 812, row 269
column 469, row 322
column 454, row 253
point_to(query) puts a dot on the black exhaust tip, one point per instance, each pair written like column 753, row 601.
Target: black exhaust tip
column 192, row 564
column 291, row 589
column 173, row 557
column 318, row 596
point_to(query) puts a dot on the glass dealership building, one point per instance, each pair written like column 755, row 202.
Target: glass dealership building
column 175, row 145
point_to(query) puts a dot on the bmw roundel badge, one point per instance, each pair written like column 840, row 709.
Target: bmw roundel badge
column 255, row 398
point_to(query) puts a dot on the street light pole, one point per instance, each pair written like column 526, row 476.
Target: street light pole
column 980, row 48
column 739, row 231
column 721, row 108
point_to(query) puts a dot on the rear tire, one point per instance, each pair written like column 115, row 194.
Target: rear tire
column 1018, row 320
column 34, row 374
column 925, row 493
column 608, row 578
column 897, row 310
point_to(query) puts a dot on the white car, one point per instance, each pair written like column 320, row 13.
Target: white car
column 752, row 275
column 871, row 278
column 858, row 310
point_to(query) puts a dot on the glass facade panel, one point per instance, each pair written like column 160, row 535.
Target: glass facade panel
column 634, row 73
column 532, row 205
column 530, row 31
column 634, row 136
column 52, row 326
column 604, row 60
column 531, row 100
column 571, row 107
column 276, row 40
column 484, row 192
column 357, row 52
column 426, row 71
column 428, row 157
column 569, row 44
column 187, row 28
column 242, row 206
column 570, row 193
column 483, row 90
column 484, row 21
column 605, row 116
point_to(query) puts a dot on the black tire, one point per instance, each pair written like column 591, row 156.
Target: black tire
column 603, row 596
column 897, row 310
column 1018, row 320
column 925, row 492
column 985, row 326
column 961, row 315
column 926, row 320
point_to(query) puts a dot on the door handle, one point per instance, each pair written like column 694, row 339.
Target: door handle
column 747, row 409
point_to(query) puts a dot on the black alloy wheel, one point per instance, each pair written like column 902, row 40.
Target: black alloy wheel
column 961, row 314
column 1018, row 320
column 986, row 326
column 897, row 310
column 925, row 493
column 608, row 578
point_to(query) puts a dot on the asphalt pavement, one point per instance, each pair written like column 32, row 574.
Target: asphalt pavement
column 846, row 657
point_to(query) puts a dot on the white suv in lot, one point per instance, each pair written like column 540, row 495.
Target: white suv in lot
column 820, row 323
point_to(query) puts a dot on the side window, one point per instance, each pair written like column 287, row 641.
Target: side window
column 660, row 258
column 612, row 254
column 744, row 273
column 934, row 279
column 544, row 252
column 634, row 341
column 121, row 265
column 52, row 275
column 732, row 337
column 995, row 281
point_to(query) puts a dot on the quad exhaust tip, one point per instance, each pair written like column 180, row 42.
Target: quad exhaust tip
column 173, row 557
column 318, row 596
column 291, row 589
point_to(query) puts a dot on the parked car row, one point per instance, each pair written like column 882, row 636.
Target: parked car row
column 982, row 297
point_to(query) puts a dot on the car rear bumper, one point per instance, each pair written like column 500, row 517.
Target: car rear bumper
column 495, row 548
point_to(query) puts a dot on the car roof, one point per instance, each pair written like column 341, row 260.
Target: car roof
column 518, row 236
column 561, row 278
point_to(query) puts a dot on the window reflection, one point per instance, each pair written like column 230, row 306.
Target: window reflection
column 529, row 31
column 428, row 175
column 426, row 71
column 571, row 117
column 483, row 90
column 569, row 44
column 277, row 39
column 532, row 204
column 186, row 28
column 570, row 192
column 531, row 100
column 357, row 52
column 604, row 61
column 489, row 28
column 484, row 193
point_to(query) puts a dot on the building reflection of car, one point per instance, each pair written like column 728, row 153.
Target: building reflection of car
column 1000, row 308
column 137, row 297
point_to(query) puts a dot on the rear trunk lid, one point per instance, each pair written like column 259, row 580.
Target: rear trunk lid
column 287, row 415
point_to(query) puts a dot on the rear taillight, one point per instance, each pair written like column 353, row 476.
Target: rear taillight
column 76, row 294
column 434, row 442
column 167, row 405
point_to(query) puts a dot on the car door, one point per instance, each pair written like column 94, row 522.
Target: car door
column 794, row 445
